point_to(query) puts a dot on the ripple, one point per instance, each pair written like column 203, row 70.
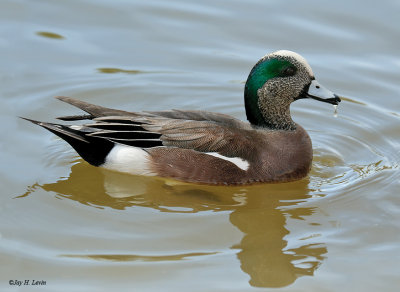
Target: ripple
column 111, row 70
column 362, row 152
column 352, row 100
column 142, row 258
column 50, row 35
column 117, row 70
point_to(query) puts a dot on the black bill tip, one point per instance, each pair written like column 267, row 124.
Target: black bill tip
column 335, row 100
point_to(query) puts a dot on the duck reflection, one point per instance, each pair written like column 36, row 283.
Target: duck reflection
column 259, row 211
column 263, row 251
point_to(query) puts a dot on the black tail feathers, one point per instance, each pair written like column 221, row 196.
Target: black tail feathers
column 92, row 149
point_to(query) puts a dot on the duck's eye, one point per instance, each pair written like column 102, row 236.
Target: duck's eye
column 289, row 71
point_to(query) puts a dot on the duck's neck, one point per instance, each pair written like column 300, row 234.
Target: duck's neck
column 277, row 117
column 263, row 111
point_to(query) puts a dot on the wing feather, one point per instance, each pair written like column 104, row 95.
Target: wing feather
column 199, row 130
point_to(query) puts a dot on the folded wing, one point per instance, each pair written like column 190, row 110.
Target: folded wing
column 198, row 130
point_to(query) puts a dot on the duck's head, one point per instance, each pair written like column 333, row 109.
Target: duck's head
column 277, row 80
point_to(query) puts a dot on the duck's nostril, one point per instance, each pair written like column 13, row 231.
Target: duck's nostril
column 317, row 86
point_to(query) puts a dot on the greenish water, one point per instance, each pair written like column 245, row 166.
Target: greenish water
column 80, row 228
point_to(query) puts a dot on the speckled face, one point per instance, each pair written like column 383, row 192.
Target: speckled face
column 273, row 84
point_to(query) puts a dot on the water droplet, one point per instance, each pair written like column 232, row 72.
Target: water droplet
column 335, row 110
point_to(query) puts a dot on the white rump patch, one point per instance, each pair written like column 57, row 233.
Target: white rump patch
column 128, row 159
column 239, row 162
column 296, row 56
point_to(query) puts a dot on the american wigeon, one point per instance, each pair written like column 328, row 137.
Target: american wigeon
column 207, row 147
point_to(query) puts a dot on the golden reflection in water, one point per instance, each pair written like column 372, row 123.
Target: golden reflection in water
column 50, row 35
column 109, row 70
column 125, row 258
column 117, row 70
column 259, row 211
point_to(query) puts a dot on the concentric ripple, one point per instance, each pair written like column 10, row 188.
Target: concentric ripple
column 360, row 149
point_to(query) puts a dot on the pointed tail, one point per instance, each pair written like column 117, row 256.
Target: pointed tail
column 92, row 149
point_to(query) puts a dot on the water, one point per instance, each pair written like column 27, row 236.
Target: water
column 80, row 228
column 335, row 111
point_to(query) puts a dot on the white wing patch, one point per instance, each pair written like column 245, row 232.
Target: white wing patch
column 128, row 159
column 239, row 162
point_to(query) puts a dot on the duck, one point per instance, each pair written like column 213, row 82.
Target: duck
column 205, row 147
